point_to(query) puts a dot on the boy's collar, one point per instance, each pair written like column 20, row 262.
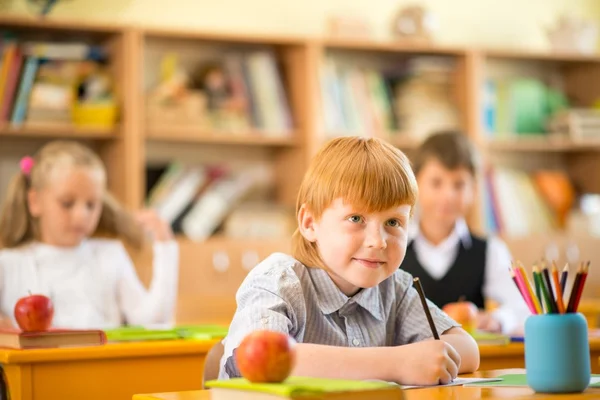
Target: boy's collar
column 331, row 299
column 461, row 229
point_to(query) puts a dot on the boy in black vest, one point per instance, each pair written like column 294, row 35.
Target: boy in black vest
column 451, row 262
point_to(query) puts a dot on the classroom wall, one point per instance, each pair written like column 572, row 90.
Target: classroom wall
column 501, row 23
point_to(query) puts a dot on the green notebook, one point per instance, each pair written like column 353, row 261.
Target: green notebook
column 519, row 380
column 303, row 386
column 191, row 332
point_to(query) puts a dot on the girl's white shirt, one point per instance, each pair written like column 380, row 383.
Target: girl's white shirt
column 93, row 285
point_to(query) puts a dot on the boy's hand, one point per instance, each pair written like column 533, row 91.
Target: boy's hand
column 430, row 362
column 486, row 322
column 154, row 225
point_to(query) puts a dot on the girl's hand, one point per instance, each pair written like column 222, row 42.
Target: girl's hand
column 154, row 225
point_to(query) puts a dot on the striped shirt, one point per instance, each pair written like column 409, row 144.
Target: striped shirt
column 281, row 294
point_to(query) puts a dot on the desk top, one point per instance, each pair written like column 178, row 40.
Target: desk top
column 107, row 351
column 441, row 393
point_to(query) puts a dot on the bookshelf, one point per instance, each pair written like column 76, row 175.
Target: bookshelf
column 212, row 270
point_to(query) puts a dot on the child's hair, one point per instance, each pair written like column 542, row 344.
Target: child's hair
column 17, row 226
column 452, row 149
column 368, row 173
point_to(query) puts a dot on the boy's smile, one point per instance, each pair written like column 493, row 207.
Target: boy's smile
column 360, row 249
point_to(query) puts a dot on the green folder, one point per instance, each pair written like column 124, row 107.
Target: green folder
column 515, row 380
column 302, row 386
column 190, row 332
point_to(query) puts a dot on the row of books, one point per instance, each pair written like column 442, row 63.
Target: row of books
column 256, row 78
column 197, row 200
column 413, row 96
column 513, row 204
column 355, row 100
column 519, row 106
column 239, row 92
column 38, row 79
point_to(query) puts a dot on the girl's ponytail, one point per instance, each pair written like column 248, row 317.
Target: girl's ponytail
column 16, row 226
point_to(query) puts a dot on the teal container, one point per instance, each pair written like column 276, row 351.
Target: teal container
column 557, row 353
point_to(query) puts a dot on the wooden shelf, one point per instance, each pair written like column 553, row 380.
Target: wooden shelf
column 224, row 37
column 390, row 47
column 541, row 56
column 54, row 130
column 30, row 24
column 198, row 135
column 542, row 144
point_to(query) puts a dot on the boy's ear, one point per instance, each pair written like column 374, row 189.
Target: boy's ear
column 33, row 202
column 306, row 223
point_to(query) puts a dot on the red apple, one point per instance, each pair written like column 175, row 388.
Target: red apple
column 463, row 312
column 265, row 356
column 34, row 313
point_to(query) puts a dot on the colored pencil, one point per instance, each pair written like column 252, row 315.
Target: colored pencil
column 574, row 290
column 538, row 275
column 557, row 289
column 563, row 278
column 581, row 286
column 521, row 287
column 548, row 284
column 538, row 288
column 419, row 288
column 528, row 290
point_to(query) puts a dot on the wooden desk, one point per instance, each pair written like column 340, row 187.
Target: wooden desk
column 513, row 356
column 113, row 371
column 452, row 392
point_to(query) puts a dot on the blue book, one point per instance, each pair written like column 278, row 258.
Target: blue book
column 22, row 99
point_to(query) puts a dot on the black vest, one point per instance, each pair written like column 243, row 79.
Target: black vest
column 464, row 278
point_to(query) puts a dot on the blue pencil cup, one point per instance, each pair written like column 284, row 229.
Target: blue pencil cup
column 557, row 353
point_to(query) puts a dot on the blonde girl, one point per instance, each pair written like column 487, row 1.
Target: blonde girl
column 59, row 231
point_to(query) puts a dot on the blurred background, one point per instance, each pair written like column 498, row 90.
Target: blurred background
column 209, row 112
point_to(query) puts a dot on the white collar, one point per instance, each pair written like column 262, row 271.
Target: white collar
column 460, row 233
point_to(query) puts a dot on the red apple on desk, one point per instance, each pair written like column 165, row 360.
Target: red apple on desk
column 463, row 312
column 34, row 313
column 265, row 356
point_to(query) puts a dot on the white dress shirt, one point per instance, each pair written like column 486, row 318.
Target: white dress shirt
column 93, row 285
column 498, row 284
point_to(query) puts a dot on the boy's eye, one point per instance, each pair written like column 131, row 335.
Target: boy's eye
column 91, row 205
column 355, row 218
column 394, row 223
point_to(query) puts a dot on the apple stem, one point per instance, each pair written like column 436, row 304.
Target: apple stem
column 462, row 298
column 29, row 291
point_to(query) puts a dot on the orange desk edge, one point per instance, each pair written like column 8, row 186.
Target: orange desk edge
column 434, row 393
column 113, row 371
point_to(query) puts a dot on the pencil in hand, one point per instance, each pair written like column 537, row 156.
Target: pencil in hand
column 421, row 292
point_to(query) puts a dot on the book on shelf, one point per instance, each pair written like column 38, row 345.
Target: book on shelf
column 196, row 200
column 52, row 338
column 355, row 100
column 304, row 388
column 41, row 81
column 241, row 92
column 514, row 205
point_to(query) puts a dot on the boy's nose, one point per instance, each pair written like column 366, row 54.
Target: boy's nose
column 376, row 238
